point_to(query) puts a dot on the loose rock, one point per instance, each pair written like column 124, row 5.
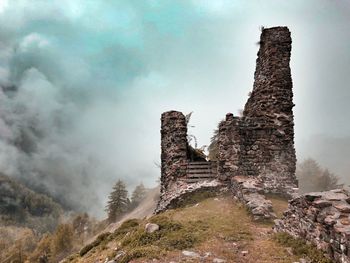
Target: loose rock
column 150, row 227
column 191, row 254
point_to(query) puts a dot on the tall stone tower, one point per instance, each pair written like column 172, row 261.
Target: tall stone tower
column 261, row 142
column 272, row 93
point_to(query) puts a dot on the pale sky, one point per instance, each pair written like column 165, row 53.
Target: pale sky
column 93, row 78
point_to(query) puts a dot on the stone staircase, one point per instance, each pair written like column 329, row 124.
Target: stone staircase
column 201, row 171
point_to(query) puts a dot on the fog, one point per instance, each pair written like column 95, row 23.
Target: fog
column 84, row 84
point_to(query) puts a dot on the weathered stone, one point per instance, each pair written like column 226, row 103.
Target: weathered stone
column 326, row 226
column 174, row 147
column 179, row 190
column 191, row 254
column 150, row 228
column 261, row 142
column 219, row 260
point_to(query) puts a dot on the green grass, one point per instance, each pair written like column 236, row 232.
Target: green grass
column 195, row 197
column 279, row 204
column 100, row 240
column 301, row 248
column 171, row 234
column 211, row 225
column 150, row 252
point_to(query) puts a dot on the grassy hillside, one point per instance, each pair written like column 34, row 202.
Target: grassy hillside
column 215, row 228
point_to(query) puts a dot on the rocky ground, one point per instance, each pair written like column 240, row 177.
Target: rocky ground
column 217, row 229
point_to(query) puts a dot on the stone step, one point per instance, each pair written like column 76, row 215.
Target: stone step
column 208, row 168
column 193, row 180
column 202, row 170
column 201, row 175
column 199, row 163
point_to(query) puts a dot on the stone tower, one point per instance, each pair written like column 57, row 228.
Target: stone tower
column 261, row 142
column 173, row 147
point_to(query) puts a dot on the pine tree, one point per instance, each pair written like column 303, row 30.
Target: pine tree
column 138, row 195
column 118, row 202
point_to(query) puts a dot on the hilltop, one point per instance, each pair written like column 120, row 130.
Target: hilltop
column 204, row 229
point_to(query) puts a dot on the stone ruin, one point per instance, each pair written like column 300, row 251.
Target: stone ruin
column 256, row 156
column 322, row 218
column 261, row 142
column 181, row 171
column 257, row 148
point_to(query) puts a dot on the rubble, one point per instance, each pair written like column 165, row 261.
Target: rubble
column 322, row 218
column 250, row 193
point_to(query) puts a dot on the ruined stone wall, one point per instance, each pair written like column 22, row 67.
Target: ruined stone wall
column 322, row 218
column 261, row 142
column 173, row 148
column 229, row 149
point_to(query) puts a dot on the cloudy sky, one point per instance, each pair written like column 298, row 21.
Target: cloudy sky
column 85, row 81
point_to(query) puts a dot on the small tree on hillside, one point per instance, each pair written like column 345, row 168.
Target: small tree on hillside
column 62, row 240
column 118, row 202
column 138, row 195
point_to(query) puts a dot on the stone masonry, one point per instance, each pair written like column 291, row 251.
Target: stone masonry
column 321, row 218
column 175, row 157
column 174, row 148
column 257, row 147
column 260, row 144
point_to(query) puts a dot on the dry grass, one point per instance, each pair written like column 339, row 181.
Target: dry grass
column 280, row 204
column 218, row 225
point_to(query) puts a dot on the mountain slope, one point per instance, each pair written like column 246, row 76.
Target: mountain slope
column 20, row 206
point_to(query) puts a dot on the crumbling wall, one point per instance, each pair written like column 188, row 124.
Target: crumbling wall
column 257, row 147
column 261, row 142
column 175, row 157
column 173, row 148
column 322, row 218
